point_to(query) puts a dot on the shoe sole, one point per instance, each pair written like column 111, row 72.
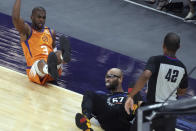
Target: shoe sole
column 52, row 65
column 65, row 48
column 80, row 125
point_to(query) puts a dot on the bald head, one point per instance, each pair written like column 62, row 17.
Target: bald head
column 115, row 71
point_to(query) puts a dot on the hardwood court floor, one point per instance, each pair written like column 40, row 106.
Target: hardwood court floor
column 28, row 106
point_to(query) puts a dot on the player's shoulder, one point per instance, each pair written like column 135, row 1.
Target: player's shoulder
column 174, row 61
column 181, row 64
column 46, row 27
column 157, row 57
column 119, row 94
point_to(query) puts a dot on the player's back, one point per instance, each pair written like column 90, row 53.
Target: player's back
column 167, row 76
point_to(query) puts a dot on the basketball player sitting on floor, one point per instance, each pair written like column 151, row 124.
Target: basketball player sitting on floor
column 38, row 42
column 108, row 108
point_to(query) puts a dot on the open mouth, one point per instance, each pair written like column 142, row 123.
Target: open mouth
column 107, row 84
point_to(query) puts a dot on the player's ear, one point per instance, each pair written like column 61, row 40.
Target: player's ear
column 164, row 48
column 32, row 16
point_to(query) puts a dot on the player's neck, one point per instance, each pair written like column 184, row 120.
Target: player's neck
column 170, row 54
column 118, row 89
column 37, row 29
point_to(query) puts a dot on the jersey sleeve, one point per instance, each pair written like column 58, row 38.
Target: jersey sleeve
column 184, row 81
column 151, row 63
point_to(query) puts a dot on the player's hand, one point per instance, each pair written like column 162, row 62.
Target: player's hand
column 129, row 105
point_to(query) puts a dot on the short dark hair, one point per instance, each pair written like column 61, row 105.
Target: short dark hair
column 38, row 8
column 172, row 42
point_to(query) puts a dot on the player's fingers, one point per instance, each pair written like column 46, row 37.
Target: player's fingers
column 129, row 105
column 127, row 109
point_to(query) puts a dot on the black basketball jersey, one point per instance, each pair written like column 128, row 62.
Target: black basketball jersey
column 108, row 109
column 167, row 74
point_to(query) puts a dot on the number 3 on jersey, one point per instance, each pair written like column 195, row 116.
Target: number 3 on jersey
column 172, row 75
column 45, row 50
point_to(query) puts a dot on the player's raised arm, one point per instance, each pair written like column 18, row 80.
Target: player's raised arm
column 20, row 25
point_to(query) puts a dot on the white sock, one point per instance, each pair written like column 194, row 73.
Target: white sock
column 59, row 66
column 35, row 66
column 55, row 49
column 45, row 69
column 61, row 57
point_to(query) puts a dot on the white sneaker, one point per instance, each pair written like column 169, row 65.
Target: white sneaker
column 189, row 16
